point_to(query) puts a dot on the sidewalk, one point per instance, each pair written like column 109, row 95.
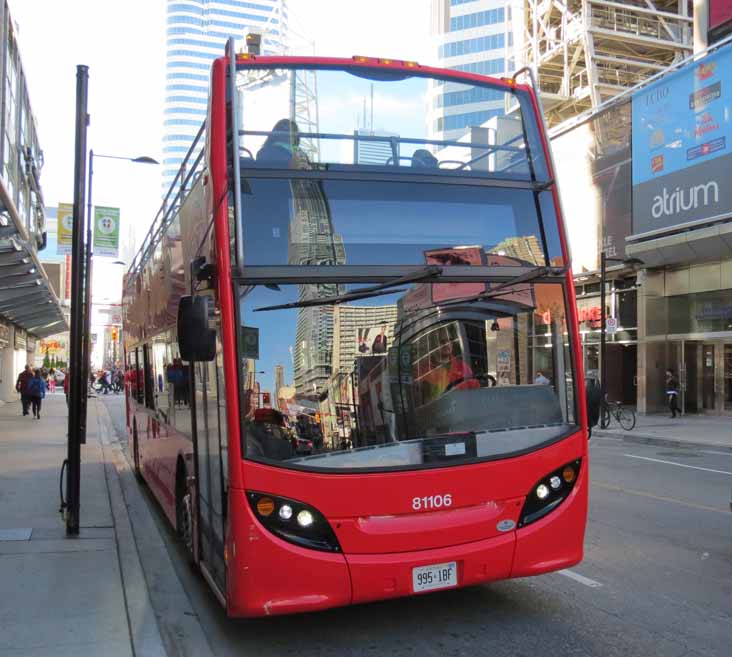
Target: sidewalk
column 84, row 596
column 689, row 431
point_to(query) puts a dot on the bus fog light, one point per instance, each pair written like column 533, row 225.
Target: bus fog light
column 285, row 512
column 305, row 518
column 265, row 506
column 555, row 482
column 542, row 492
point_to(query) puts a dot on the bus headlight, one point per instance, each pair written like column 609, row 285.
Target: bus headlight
column 294, row 522
column 548, row 493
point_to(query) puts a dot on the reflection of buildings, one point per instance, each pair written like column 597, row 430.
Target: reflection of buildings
column 347, row 322
column 526, row 248
column 313, row 242
column 383, row 152
column 279, row 382
column 472, row 37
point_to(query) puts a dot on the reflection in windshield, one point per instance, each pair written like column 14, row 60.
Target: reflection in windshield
column 340, row 120
column 405, row 380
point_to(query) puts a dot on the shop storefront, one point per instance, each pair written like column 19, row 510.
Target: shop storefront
column 692, row 334
column 621, row 343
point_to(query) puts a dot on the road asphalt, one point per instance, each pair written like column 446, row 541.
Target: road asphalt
column 656, row 578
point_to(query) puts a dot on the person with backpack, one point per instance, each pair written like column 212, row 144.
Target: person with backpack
column 36, row 392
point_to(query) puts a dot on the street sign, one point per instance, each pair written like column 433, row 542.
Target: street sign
column 611, row 325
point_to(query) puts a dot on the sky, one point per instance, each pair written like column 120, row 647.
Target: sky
column 123, row 44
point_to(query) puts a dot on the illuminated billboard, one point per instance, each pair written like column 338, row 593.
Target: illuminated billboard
column 682, row 134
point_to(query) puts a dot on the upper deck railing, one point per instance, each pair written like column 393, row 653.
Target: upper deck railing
column 183, row 180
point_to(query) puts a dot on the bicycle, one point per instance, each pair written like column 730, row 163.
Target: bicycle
column 625, row 417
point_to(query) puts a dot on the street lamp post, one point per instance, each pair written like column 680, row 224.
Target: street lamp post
column 634, row 263
column 143, row 159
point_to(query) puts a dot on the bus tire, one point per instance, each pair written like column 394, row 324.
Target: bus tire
column 136, row 451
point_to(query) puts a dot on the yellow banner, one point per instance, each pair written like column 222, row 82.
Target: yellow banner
column 65, row 228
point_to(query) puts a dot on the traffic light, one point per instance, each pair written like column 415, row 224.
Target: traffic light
column 266, row 399
column 114, row 334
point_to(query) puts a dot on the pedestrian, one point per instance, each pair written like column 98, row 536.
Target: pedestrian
column 66, row 383
column 672, row 392
column 52, row 380
column 21, row 386
column 540, row 379
column 36, row 392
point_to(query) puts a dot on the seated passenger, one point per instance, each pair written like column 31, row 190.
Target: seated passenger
column 423, row 159
column 282, row 147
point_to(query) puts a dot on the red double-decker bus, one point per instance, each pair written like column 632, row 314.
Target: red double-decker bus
column 351, row 340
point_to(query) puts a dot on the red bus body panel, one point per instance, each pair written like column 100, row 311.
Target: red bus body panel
column 382, row 537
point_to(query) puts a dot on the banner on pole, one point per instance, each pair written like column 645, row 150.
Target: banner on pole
column 106, row 232
column 64, row 228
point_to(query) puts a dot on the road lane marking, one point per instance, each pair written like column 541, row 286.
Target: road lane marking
column 711, row 451
column 660, row 498
column 679, row 465
column 579, row 578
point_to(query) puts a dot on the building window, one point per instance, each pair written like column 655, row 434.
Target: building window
column 477, row 19
column 471, row 95
column 468, row 46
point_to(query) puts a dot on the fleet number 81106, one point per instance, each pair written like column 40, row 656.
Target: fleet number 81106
column 431, row 502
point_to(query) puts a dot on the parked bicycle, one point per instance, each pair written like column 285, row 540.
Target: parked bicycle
column 624, row 416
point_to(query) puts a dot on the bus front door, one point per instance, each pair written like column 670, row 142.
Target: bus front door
column 210, row 425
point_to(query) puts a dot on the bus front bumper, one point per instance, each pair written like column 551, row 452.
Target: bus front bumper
column 277, row 577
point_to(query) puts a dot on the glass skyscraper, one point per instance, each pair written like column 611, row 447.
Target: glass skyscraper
column 473, row 36
column 197, row 31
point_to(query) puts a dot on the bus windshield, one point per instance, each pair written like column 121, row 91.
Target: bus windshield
column 430, row 374
column 400, row 286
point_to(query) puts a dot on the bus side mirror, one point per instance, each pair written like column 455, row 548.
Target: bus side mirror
column 196, row 341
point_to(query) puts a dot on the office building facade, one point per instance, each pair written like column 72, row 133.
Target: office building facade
column 473, row 36
column 197, row 31
column 29, row 307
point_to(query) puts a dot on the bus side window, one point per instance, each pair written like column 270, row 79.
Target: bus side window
column 149, row 377
column 138, row 383
column 160, row 367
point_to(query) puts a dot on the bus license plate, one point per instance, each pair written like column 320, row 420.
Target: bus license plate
column 438, row 576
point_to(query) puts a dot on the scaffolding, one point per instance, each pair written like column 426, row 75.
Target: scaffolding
column 587, row 51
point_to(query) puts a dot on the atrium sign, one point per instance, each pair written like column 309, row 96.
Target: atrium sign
column 682, row 145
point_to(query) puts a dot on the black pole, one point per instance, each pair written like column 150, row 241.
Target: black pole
column 603, row 371
column 76, row 389
column 87, row 300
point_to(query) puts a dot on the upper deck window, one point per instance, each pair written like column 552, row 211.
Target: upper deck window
column 323, row 119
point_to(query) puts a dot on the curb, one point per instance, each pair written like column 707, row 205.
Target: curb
column 144, row 631
column 177, row 625
column 645, row 439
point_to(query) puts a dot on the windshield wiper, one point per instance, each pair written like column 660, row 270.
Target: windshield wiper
column 508, row 287
column 423, row 274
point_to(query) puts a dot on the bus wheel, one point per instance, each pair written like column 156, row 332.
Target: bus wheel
column 183, row 511
column 136, row 451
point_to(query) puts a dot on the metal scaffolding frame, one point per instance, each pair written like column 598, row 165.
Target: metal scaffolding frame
column 587, row 51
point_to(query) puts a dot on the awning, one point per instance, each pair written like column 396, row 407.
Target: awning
column 694, row 245
column 26, row 296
